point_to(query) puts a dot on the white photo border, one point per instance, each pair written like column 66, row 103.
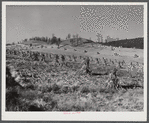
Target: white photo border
column 81, row 116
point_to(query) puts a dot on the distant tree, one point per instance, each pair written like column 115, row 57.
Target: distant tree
column 72, row 41
column 58, row 42
column 99, row 37
column 54, row 40
column 46, row 39
column 74, row 36
column 69, row 36
column 77, row 36
column 77, row 40
column 43, row 39
column 92, row 44
column 49, row 41
column 53, row 35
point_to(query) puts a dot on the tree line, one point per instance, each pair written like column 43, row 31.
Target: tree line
column 53, row 40
column 127, row 43
column 75, row 40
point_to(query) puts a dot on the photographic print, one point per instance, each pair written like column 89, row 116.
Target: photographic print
column 74, row 61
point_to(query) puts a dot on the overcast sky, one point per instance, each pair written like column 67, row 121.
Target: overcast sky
column 116, row 21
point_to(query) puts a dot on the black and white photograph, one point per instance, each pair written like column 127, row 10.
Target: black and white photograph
column 74, row 61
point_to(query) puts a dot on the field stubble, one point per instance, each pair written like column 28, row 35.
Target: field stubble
column 48, row 88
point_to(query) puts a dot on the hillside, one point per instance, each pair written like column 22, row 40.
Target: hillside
column 76, row 42
column 34, row 42
column 71, row 42
column 127, row 43
column 92, row 49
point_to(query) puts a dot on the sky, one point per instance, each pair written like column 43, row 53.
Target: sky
column 116, row 21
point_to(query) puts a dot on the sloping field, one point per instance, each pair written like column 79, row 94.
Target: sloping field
column 35, row 43
column 126, row 54
column 44, row 85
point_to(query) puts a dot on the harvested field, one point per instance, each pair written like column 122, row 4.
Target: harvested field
column 43, row 86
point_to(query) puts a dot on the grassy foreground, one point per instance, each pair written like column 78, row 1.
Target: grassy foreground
column 43, row 87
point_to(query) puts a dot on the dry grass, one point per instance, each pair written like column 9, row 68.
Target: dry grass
column 60, row 89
